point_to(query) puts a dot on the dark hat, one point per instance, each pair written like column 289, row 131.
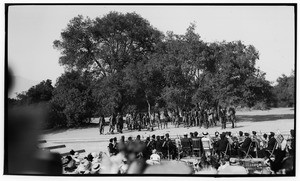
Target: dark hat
column 272, row 134
column 153, row 136
column 72, row 152
column 253, row 132
column 246, row 134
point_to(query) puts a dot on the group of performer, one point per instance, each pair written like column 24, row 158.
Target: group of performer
column 200, row 117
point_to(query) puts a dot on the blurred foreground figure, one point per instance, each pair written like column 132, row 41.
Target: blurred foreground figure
column 22, row 130
column 23, row 156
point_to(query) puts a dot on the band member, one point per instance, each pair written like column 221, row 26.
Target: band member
column 112, row 123
column 119, row 123
column 232, row 117
column 205, row 118
column 101, row 124
column 222, row 116
column 157, row 120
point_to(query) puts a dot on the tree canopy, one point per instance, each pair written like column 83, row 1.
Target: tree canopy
column 121, row 63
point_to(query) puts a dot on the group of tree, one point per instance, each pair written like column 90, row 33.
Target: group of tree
column 121, row 63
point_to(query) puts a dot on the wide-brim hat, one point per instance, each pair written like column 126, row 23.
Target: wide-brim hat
column 272, row 133
column 246, row 134
column 96, row 167
column 205, row 133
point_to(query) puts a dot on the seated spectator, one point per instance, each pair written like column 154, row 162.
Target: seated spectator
column 264, row 141
column 84, row 167
column 95, row 169
column 154, row 158
column 76, row 158
column 159, row 143
column 69, row 164
column 115, row 144
column 222, row 145
column 207, row 143
column 124, row 166
column 186, row 144
column 111, row 147
column 241, row 137
column 121, row 145
column 245, row 145
column 255, row 139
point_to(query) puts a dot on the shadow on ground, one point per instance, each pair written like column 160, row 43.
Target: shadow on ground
column 259, row 118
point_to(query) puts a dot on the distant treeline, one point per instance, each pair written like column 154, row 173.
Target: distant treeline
column 120, row 63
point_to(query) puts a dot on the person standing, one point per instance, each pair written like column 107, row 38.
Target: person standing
column 232, row 118
column 205, row 118
column 119, row 123
column 222, row 116
column 112, row 123
column 101, row 124
column 157, row 120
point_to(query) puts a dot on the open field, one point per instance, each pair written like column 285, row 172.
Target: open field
column 89, row 139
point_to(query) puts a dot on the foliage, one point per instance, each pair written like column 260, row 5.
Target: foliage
column 120, row 63
column 285, row 90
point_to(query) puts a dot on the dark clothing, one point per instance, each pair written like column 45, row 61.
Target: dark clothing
column 271, row 143
column 111, row 149
column 101, row 124
column 245, row 146
column 246, row 143
column 158, row 145
column 222, row 144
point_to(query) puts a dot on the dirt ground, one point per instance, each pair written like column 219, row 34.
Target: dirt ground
column 277, row 119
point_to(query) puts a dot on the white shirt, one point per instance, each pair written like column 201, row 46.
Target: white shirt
column 155, row 157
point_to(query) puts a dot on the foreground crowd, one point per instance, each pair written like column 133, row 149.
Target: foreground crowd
column 202, row 153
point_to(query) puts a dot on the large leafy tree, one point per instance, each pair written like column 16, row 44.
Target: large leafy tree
column 107, row 45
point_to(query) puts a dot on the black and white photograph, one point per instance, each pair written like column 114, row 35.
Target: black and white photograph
column 203, row 90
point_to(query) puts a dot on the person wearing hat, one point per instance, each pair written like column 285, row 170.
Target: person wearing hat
column 155, row 158
column 124, row 166
column 69, row 164
column 271, row 144
column 256, row 140
column 186, row 144
column 76, row 158
column 95, row 170
column 245, row 145
column 221, row 145
column 206, row 143
column 241, row 137
column 84, row 167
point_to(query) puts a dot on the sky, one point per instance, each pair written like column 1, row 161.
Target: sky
column 32, row 30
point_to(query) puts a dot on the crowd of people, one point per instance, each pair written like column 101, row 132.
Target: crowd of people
column 188, row 118
column 214, row 152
